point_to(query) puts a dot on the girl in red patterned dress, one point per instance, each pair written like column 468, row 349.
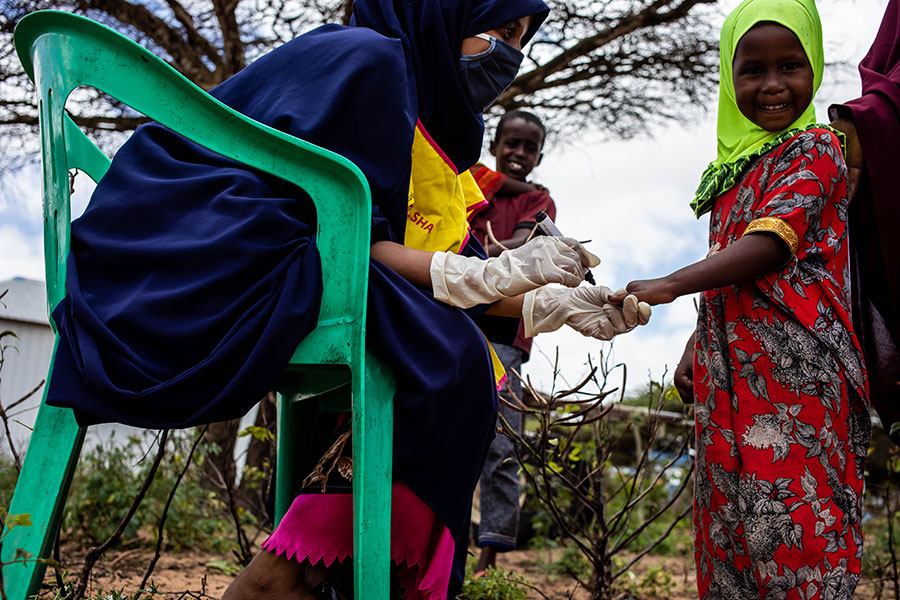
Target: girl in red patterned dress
column 774, row 366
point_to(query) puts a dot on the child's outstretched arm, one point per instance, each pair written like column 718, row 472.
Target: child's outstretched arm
column 749, row 257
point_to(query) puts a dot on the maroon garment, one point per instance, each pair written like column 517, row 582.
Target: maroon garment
column 506, row 214
column 875, row 213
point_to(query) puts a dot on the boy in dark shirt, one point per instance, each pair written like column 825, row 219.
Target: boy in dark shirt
column 512, row 203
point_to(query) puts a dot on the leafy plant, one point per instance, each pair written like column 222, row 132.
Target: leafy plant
column 104, row 488
column 655, row 583
column 881, row 560
column 8, row 477
column 495, row 584
column 10, row 522
column 571, row 563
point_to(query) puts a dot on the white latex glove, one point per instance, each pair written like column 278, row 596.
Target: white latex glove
column 466, row 281
column 585, row 309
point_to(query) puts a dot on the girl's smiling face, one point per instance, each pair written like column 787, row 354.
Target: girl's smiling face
column 773, row 80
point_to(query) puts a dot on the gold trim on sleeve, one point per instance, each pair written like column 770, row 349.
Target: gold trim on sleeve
column 779, row 227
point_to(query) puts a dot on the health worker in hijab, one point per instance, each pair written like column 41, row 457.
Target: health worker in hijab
column 192, row 279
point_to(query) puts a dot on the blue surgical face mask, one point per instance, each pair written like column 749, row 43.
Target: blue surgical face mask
column 487, row 74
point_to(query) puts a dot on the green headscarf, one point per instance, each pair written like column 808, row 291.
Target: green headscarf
column 740, row 140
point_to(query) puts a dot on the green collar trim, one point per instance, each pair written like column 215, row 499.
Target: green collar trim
column 718, row 179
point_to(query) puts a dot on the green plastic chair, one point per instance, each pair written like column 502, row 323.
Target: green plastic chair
column 60, row 52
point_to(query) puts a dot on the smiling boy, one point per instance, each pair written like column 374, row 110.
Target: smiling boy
column 512, row 203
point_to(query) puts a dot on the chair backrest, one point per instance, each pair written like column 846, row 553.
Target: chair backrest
column 61, row 52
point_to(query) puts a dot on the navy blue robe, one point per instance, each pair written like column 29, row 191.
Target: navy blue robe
column 191, row 278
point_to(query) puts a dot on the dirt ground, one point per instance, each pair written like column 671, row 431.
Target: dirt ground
column 207, row 575
column 532, row 564
column 176, row 572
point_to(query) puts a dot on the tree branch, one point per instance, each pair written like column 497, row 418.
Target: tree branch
column 232, row 46
column 95, row 553
column 184, row 54
column 650, row 16
column 193, row 36
column 165, row 512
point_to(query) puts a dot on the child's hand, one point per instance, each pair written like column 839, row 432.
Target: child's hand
column 854, row 154
column 651, row 291
column 684, row 373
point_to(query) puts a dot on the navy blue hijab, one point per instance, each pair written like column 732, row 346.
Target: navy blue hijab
column 432, row 33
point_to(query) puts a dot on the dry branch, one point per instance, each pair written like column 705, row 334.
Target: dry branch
column 605, row 65
column 165, row 512
column 568, row 458
column 94, row 554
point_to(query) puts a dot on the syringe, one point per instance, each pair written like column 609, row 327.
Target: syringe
column 548, row 227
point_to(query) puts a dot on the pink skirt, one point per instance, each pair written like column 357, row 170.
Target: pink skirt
column 319, row 527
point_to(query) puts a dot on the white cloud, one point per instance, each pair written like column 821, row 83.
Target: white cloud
column 20, row 198
column 21, row 230
column 20, row 255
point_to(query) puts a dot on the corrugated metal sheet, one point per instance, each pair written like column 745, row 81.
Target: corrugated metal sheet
column 25, row 301
column 26, row 359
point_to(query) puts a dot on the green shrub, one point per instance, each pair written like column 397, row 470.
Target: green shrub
column 495, row 584
column 105, row 482
column 656, row 582
column 571, row 563
column 583, row 459
column 680, row 541
column 111, row 473
column 8, row 477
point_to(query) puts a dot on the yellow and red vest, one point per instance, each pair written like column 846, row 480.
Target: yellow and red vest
column 441, row 200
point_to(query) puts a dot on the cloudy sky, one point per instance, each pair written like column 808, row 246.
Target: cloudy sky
column 629, row 197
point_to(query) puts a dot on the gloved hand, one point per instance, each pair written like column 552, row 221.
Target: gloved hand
column 465, row 281
column 585, row 309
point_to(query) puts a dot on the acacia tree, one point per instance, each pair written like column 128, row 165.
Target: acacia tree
column 608, row 65
column 618, row 65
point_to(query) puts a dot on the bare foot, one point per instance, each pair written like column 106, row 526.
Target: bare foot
column 488, row 558
column 271, row 577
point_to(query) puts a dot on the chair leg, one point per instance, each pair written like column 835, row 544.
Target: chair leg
column 373, row 436
column 293, row 452
column 41, row 491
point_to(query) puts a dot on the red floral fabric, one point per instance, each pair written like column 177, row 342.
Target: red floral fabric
column 781, row 394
